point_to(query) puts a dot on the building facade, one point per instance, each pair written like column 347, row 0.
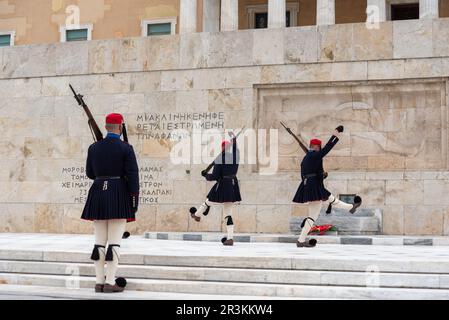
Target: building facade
column 380, row 68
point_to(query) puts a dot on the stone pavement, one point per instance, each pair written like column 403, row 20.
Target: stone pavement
column 197, row 270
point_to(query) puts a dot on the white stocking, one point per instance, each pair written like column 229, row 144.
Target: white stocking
column 202, row 208
column 314, row 212
column 227, row 209
column 101, row 238
column 116, row 227
column 338, row 203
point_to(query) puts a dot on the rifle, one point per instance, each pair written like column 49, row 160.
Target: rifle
column 226, row 148
column 301, row 144
column 94, row 129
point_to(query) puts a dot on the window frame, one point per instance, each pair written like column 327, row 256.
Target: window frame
column 144, row 25
column 251, row 11
column 389, row 3
column 11, row 34
column 63, row 31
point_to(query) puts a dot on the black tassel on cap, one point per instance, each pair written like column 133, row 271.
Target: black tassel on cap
column 109, row 253
column 329, row 208
column 96, row 253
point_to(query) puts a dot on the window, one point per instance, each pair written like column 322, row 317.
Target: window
column 261, row 20
column 7, row 38
column 76, row 35
column 82, row 33
column 402, row 9
column 405, row 11
column 158, row 27
column 258, row 15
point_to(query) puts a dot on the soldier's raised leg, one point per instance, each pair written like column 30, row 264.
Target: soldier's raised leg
column 203, row 210
column 337, row 203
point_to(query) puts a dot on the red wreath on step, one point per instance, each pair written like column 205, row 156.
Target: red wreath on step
column 321, row 230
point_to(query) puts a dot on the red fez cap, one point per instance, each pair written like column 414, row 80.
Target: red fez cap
column 224, row 143
column 114, row 118
column 315, row 142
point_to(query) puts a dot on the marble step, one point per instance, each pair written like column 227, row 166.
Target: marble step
column 231, row 288
column 329, row 238
column 296, row 277
column 29, row 292
column 320, row 263
column 363, row 222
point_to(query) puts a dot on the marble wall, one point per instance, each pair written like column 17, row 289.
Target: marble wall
column 388, row 87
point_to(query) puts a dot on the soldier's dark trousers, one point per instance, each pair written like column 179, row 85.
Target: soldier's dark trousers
column 108, row 232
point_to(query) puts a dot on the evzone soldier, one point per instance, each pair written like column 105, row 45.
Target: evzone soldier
column 112, row 201
column 312, row 190
column 226, row 189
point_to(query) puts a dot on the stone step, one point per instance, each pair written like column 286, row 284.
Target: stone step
column 288, row 262
column 29, row 292
column 329, row 238
column 296, row 277
column 363, row 222
column 231, row 288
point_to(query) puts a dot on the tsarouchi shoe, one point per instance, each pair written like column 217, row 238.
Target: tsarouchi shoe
column 357, row 203
column 227, row 242
column 109, row 288
column 99, row 287
column 192, row 214
column 308, row 244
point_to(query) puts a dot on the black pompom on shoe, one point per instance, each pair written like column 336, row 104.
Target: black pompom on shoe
column 192, row 214
column 121, row 282
column 357, row 203
column 227, row 242
column 126, row 235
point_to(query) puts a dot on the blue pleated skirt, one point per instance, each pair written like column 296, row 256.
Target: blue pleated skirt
column 312, row 190
column 225, row 190
column 108, row 199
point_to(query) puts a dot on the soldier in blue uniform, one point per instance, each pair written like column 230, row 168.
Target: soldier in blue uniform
column 225, row 190
column 112, row 201
column 312, row 190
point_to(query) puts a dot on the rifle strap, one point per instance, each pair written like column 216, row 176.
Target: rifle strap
column 91, row 130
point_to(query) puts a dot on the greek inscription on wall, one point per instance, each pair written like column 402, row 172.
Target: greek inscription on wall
column 161, row 125
column 152, row 188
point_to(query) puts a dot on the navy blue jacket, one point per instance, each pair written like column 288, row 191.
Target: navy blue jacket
column 225, row 170
column 112, row 157
column 313, row 160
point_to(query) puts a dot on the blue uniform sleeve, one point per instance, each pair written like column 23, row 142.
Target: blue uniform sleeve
column 216, row 173
column 328, row 147
column 132, row 171
column 89, row 170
